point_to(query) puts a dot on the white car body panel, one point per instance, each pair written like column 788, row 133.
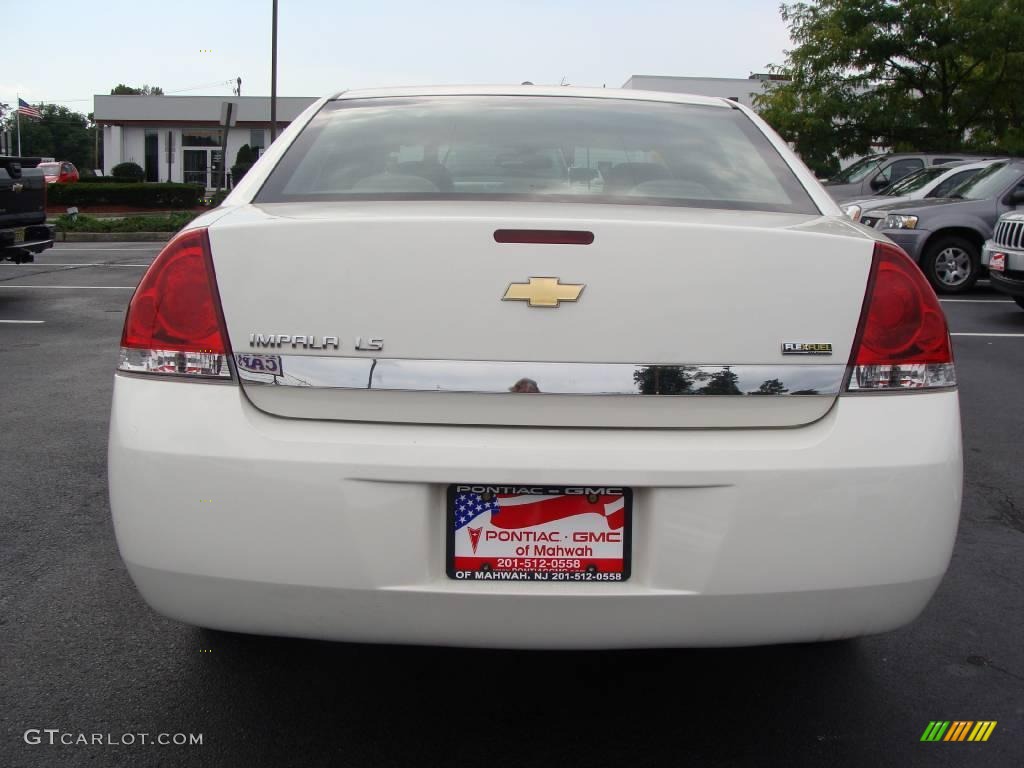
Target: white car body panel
column 230, row 518
column 316, row 510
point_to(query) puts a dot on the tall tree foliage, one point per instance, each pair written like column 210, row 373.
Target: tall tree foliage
column 61, row 134
column 144, row 90
column 937, row 75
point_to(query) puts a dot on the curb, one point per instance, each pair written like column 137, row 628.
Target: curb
column 112, row 237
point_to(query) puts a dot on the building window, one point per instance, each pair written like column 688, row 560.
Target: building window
column 195, row 137
column 258, row 140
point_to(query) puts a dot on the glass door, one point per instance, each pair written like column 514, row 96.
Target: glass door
column 197, row 166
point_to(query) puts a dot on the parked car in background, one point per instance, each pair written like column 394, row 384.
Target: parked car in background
column 1003, row 255
column 935, row 181
column 870, row 175
column 61, row 172
column 946, row 236
column 23, row 228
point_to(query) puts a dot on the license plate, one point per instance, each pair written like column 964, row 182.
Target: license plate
column 270, row 364
column 998, row 262
column 19, row 235
column 538, row 533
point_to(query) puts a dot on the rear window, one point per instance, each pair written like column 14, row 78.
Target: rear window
column 535, row 148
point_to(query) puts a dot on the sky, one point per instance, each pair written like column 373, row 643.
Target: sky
column 323, row 47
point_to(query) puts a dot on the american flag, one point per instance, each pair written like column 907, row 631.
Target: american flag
column 469, row 506
column 512, row 511
column 28, row 110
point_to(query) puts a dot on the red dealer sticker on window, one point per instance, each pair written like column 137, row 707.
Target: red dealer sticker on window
column 538, row 533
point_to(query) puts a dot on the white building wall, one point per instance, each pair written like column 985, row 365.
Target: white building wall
column 133, row 146
column 128, row 144
column 741, row 89
column 111, row 147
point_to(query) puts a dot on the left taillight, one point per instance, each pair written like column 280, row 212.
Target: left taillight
column 174, row 325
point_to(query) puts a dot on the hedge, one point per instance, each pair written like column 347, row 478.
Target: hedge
column 135, row 195
column 99, row 180
column 171, row 223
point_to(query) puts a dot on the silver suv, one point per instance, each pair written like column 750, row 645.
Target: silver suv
column 945, row 237
column 1004, row 256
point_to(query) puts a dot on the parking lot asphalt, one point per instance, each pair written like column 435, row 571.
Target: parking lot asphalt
column 80, row 651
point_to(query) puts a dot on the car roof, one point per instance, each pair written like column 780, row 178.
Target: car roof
column 536, row 90
column 969, row 165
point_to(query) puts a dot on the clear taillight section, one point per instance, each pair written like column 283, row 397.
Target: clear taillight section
column 174, row 324
column 902, row 342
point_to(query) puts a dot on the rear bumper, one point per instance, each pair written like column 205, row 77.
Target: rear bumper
column 18, row 244
column 230, row 518
column 1007, row 285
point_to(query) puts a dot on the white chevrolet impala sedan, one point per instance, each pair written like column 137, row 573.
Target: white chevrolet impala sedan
column 534, row 367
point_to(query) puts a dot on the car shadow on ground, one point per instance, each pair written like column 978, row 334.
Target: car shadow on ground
column 394, row 705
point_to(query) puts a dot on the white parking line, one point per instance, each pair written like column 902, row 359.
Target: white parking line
column 977, row 301
column 24, row 322
column 98, row 287
column 993, row 335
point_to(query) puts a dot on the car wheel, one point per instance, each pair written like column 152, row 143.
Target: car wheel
column 951, row 264
column 1020, row 301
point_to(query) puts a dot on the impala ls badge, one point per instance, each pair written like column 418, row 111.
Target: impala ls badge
column 300, row 341
column 543, row 292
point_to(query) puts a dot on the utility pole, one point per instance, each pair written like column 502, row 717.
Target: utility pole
column 273, row 77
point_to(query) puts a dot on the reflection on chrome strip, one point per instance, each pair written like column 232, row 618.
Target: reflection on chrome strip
column 503, row 377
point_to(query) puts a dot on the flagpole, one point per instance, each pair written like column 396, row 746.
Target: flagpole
column 17, row 120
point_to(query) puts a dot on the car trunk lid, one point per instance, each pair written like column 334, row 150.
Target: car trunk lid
column 681, row 321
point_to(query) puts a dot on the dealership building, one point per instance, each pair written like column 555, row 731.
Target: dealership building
column 741, row 89
column 178, row 138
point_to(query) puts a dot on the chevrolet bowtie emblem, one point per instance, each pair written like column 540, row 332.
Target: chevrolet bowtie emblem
column 543, row 292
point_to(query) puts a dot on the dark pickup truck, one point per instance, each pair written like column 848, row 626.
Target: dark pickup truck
column 23, row 228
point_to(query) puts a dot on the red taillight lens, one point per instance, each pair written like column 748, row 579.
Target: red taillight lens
column 902, row 342
column 174, row 322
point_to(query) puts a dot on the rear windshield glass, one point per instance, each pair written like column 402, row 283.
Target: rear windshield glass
column 535, row 148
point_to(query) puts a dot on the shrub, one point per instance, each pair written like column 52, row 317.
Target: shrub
column 243, row 162
column 99, row 180
column 135, row 195
column 171, row 223
column 128, row 172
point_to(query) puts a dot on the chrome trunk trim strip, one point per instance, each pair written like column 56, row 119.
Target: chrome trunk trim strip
column 505, row 377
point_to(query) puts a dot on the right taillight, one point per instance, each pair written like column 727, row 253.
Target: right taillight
column 902, row 341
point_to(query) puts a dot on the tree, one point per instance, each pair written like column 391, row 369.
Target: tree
column 771, row 387
column 723, row 382
column 665, row 379
column 145, row 90
column 938, row 75
column 60, row 133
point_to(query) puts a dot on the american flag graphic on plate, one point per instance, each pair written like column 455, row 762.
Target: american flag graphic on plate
column 538, row 533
